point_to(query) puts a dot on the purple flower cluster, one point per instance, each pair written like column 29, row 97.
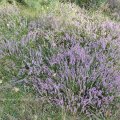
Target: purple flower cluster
column 77, row 75
column 71, row 69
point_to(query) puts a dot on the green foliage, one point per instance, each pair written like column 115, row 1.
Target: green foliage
column 86, row 3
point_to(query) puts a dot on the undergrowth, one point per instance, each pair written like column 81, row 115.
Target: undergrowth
column 57, row 62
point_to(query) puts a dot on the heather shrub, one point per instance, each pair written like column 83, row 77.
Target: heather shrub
column 71, row 61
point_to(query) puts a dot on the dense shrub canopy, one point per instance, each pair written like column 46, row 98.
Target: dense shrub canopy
column 70, row 64
column 68, row 57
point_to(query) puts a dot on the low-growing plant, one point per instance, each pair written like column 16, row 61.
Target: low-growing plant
column 75, row 72
column 73, row 64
